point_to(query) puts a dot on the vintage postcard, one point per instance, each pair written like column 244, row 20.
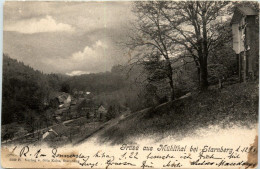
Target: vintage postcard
column 130, row 84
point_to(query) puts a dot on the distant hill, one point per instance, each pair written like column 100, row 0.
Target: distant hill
column 97, row 83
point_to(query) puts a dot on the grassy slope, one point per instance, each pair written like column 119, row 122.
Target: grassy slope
column 233, row 105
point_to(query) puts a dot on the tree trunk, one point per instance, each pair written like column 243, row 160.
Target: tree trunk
column 170, row 78
column 198, row 69
column 198, row 72
column 204, row 55
column 203, row 76
column 172, row 89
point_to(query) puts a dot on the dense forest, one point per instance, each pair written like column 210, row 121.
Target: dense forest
column 24, row 89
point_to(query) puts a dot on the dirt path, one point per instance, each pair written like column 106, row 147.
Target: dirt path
column 105, row 126
column 124, row 116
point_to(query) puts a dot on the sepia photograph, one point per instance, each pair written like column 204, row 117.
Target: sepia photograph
column 130, row 84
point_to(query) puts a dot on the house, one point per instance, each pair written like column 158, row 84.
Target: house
column 101, row 112
column 55, row 131
column 75, row 92
column 80, row 92
column 48, row 134
column 62, row 114
column 246, row 41
column 102, row 109
column 60, row 99
column 77, row 108
column 74, row 102
column 88, row 95
column 85, row 107
column 64, row 100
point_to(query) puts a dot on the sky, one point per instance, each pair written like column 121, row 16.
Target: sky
column 67, row 37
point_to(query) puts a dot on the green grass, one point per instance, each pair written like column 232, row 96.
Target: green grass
column 234, row 105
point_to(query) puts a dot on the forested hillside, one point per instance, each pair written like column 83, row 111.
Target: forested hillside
column 25, row 89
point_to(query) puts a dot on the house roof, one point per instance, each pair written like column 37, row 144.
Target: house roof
column 242, row 11
column 61, row 96
column 60, row 129
column 56, row 130
column 247, row 11
column 102, row 109
column 60, row 111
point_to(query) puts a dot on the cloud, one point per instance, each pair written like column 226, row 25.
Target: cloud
column 94, row 53
column 92, row 47
column 77, row 73
column 92, row 58
column 86, row 53
column 99, row 15
column 30, row 26
column 90, row 53
column 100, row 44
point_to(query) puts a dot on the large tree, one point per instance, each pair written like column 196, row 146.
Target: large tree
column 151, row 42
column 165, row 29
column 196, row 23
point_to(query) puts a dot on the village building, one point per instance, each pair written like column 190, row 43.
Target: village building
column 60, row 99
column 75, row 109
column 246, row 42
column 73, row 102
column 74, row 92
column 81, row 93
column 56, row 131
column 62, row 114
column 101, row 112
column 88, row 95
